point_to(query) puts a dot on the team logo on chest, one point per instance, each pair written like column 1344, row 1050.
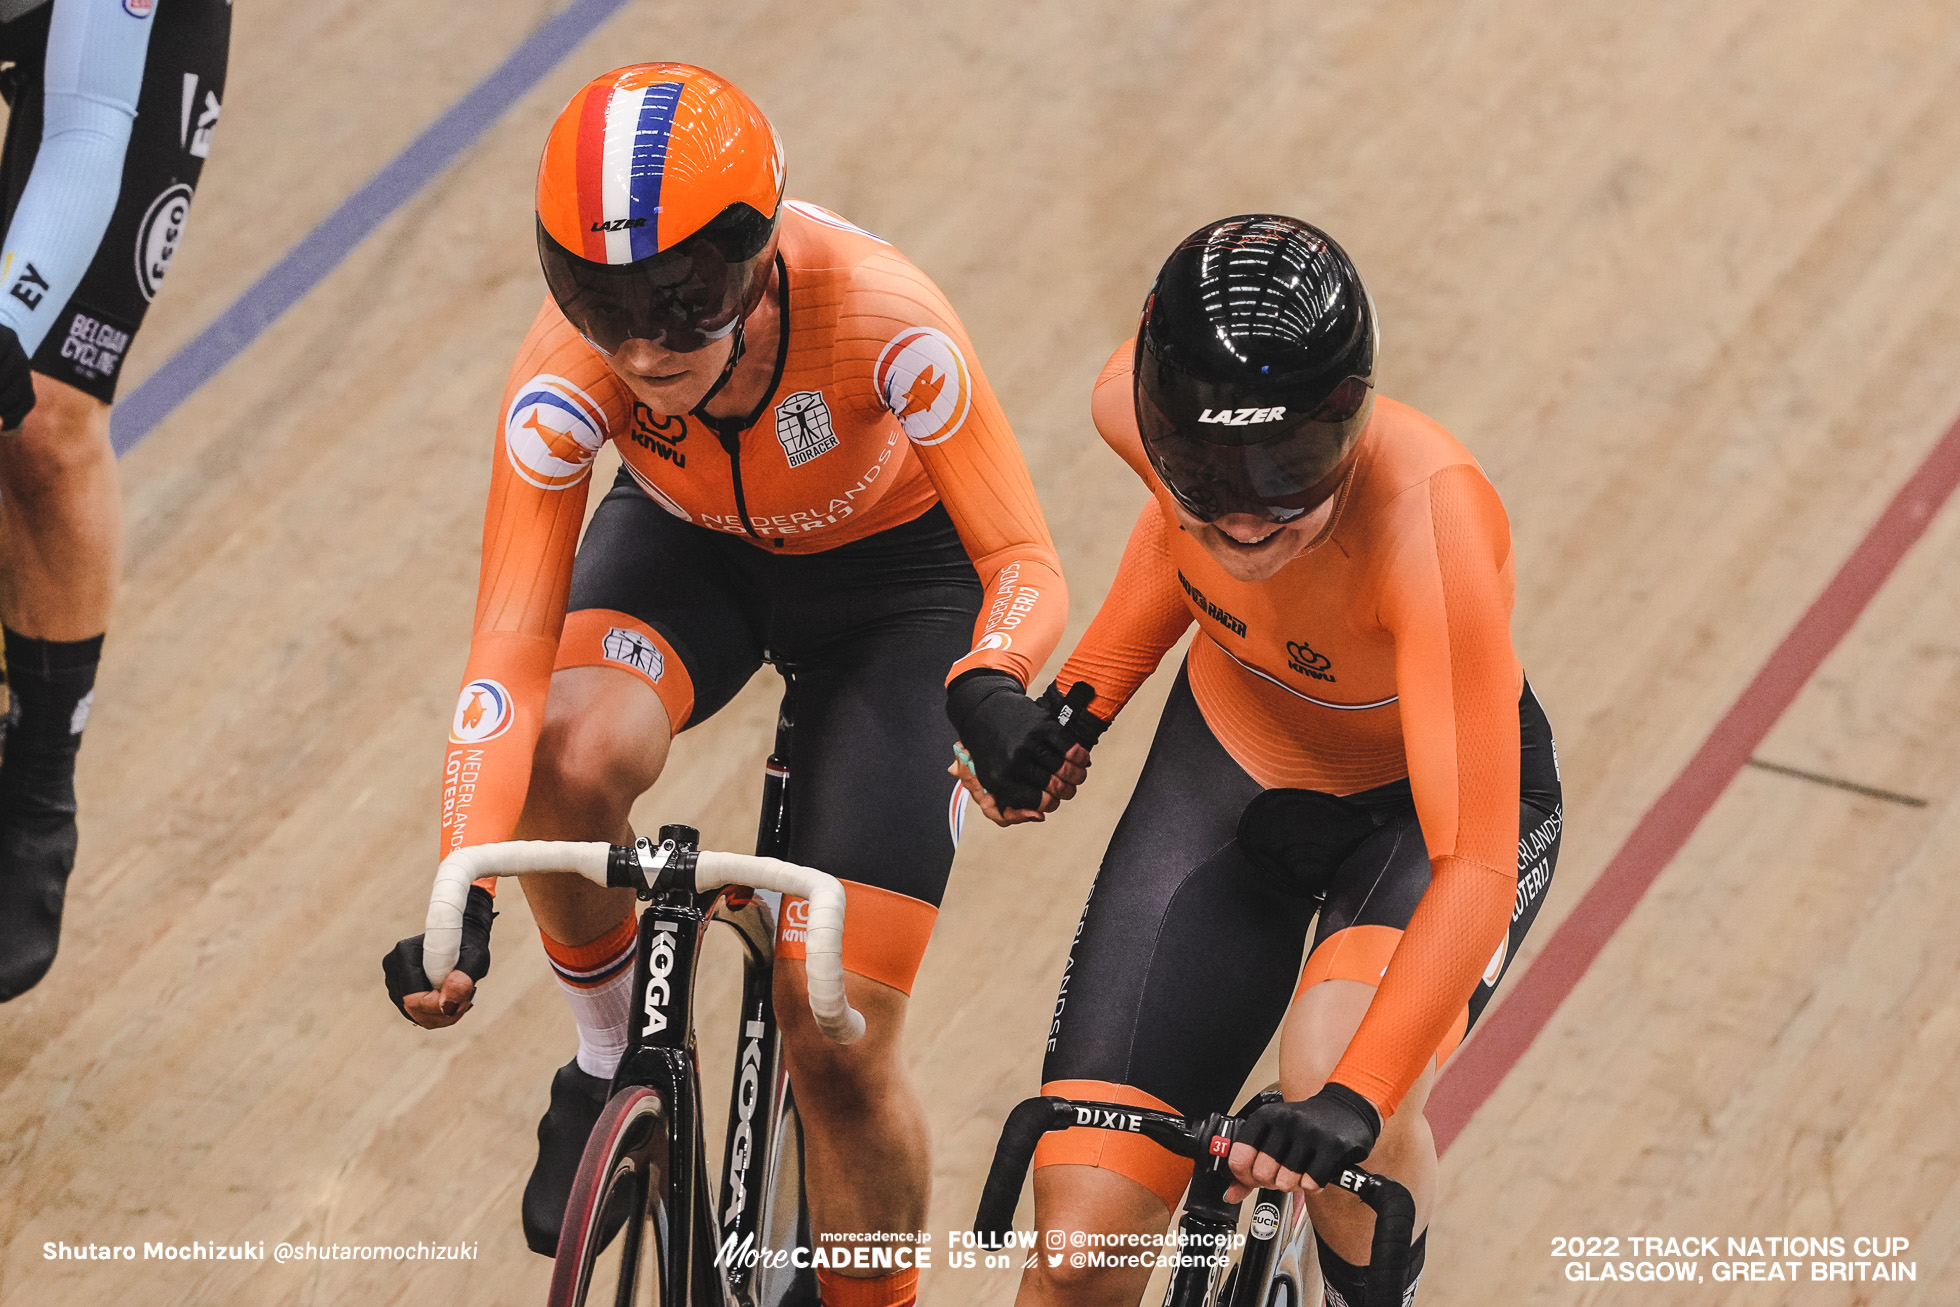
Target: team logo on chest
column 1300, row 656
column 552, row 432
column 923, row 380
column 803, row 427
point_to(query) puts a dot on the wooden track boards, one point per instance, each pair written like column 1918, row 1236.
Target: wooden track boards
column 1683, row 278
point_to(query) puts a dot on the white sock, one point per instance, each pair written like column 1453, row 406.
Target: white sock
column 597, row 981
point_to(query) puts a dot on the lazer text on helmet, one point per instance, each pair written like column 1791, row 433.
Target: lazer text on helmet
column 1243, row 417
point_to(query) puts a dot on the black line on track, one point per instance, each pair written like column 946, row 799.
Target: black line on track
column 1836, row 783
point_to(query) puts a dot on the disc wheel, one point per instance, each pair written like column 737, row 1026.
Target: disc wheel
column 618, row 1192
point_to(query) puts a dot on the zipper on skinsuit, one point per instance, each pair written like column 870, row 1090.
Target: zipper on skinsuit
column 729, row 430
column 732, row 442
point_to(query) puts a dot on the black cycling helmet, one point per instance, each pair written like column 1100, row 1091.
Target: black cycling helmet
column 1255, row 368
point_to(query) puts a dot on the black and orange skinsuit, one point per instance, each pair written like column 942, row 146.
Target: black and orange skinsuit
column 875, row 527
column 1365, row 703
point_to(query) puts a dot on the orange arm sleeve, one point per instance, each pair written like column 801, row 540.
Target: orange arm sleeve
column 1446, row 598
column 530, row 535
column 983, row 481
column 1141, row 617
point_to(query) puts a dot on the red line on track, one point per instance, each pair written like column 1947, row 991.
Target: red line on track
column 1508, row 1030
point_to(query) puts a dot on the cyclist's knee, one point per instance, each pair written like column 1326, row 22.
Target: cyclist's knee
column 1095, row 1213
column 843, row 1076
column 604, row 741
column 66, row 434
column 1081, row 1277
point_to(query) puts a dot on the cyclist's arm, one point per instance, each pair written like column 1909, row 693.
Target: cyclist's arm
column 968, row 450
column 1141, row 617
column 94, row 72
column 1446, row 598
column 530, row 534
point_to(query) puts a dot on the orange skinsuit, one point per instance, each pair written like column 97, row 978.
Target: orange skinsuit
column 878, row 413
column 1382, row 651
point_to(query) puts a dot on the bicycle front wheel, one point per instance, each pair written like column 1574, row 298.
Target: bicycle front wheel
column 618, row 1197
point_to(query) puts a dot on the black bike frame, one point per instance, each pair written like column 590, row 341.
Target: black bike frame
column 707, row 1251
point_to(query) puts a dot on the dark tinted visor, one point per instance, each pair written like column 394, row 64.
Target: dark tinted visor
column 679, row 299
column 1283, row 469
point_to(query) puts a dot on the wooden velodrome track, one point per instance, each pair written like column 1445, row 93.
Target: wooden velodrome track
column 1683, row 278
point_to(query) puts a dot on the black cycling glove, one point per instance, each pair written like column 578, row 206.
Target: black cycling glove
column 401, row 966
column 1072, row 711
column 16, row 381
column 1317, row 1136
column 1016, row 744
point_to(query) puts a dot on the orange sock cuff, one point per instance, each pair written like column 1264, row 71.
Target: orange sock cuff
column 899, row 1289
column 579, row 961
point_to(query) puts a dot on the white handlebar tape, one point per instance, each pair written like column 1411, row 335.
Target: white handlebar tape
column 824, row 939
column 442, row 929
column 823, row 964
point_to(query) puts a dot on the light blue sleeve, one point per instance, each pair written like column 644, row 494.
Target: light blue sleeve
column 94, row 70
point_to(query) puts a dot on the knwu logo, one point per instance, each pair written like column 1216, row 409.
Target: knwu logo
column 660, row 965
column 1302, row 659
column 796, row 920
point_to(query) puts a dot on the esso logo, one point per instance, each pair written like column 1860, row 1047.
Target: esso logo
column 157, row 236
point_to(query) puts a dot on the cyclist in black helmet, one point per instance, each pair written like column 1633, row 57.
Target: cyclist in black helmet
column 1350, row 768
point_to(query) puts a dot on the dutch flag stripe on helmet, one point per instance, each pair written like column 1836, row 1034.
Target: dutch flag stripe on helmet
column 622, row 159
column 645, row 156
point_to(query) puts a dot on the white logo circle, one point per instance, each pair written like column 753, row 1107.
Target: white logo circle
column 923, row 379
column 552, row 432
column 995, row 640
column 483, row 712
column 1265, row 1221
column 158, row 236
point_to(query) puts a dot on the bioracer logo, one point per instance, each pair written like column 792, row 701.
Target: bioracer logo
column 660, row 965
column 748, row 1091
column 1243, row 417
column 619, row 224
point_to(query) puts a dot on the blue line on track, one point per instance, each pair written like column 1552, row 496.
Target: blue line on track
column 322, row 250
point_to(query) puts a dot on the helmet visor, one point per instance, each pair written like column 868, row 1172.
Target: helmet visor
column 680, row 299
column 1283, row 469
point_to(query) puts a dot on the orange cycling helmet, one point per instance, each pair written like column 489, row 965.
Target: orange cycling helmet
column 658, row 199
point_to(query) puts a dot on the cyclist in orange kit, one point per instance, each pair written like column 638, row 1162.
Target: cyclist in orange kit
column 816, row 473
column 1350, row 756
